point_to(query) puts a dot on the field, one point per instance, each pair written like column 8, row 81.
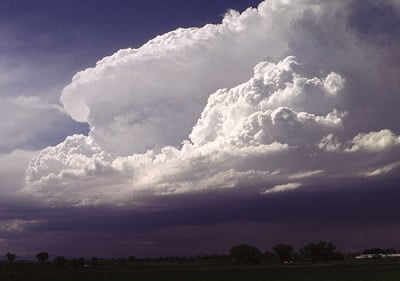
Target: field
column 363, row 271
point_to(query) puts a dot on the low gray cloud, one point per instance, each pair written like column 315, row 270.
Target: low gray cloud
column 339, row 211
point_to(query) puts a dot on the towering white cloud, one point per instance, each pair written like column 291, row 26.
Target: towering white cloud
column 277, row 104
column 139, row 99
column 184, row 113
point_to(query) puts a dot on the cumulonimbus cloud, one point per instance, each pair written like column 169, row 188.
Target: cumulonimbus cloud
column 147, row 98
column 184, row 113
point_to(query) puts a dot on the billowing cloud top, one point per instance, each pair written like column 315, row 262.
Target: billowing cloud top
column 185, row 113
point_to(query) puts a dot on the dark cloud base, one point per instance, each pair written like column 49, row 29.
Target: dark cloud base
column 353, row 215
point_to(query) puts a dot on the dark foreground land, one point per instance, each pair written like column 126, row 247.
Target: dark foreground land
column 351, row 271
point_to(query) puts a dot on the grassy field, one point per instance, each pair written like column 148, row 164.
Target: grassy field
column 205, row 272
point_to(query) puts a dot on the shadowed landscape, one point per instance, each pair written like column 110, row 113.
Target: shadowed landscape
column 314, row 261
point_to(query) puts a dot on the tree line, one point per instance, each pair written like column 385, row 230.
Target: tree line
column 283, row 253
column 243, row 254
column 319, row 252
column 42, row 256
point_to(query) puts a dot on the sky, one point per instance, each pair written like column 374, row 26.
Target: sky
column 187, row 127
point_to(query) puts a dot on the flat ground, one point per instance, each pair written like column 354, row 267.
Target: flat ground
column 368, row 271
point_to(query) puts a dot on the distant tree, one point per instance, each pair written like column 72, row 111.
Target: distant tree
column 390, row 251
column 11, row 257
column 224, row 258
column 351, row 255
column 245, row 254
column 81, row 262
column 94, row 262
column 132, row 258
column 42, row 256
column 284, row 252
column 318, row 252
column 121, row 260
column 372, row 251
column 60, row 261
column 337, row 256
column 77, row 263
column 296, row 257
column 73, row 263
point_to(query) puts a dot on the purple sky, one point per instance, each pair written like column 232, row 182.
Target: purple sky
column 187, row 127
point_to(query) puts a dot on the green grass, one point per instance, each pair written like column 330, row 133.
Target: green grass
column 207, row 272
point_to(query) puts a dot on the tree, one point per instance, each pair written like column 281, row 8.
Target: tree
column 390, row 251
column 78, row 263
column 73, row 263
column 81, row 262
column 60, row 261
column 246, row 254
column 373, row 251
column 321, row 251
column 42, row 256
column 338, row 256
column 284, row 252
column 11, row 257
column 94, row 262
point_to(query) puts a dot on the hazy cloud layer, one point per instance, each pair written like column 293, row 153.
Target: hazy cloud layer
column 12, row 171
column 29, row 122
column 184, row 113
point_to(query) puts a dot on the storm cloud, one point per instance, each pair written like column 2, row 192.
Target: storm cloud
column 280, row 116
column 317, row 97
